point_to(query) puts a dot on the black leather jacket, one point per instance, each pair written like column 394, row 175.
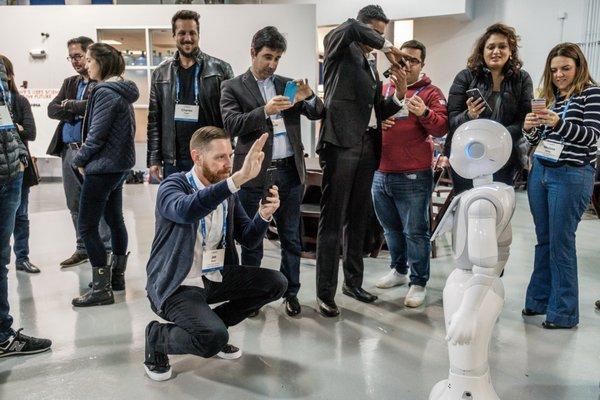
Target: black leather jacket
column 161, row 112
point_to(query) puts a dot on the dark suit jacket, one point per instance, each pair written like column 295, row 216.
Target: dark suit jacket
column 178, row 212
column 350, row 90
column 68, row 112
column 243, row 110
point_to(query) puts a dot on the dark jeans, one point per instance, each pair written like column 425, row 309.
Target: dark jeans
column 557, row 199
column 102, row 194
column 287, row 218
column 10, row 197
column 401, row 203
column 179, row 166
column 21, row 230
column 197, row 329
column 505, row 175
column 345, row 209
column 72, row 183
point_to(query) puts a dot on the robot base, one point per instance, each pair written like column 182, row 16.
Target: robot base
column 459, row 387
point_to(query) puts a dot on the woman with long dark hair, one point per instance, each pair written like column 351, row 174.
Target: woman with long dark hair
column 494, row 69
column 104, row 159
column 561, row 181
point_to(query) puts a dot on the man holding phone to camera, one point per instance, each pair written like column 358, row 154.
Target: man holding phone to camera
column 349, row 148
column 259, row 101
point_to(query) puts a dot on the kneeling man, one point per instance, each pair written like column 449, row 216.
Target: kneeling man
column 193, row 261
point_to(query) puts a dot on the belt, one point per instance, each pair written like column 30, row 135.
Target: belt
column 74, row 145
column 283, row 163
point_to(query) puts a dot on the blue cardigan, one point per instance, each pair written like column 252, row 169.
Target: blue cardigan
column 178, row 212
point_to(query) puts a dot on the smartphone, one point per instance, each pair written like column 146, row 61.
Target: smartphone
column 291, row 88
column 538, row 105
column 476, row 94
column 269, row 183
column 402, row 63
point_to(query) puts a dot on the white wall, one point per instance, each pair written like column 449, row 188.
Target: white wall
column 225, row 32
column 449, row 41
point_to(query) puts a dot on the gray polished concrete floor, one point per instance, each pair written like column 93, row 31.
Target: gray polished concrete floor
column 377, row 351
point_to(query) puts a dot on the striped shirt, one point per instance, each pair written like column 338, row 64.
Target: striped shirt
column 578, row 129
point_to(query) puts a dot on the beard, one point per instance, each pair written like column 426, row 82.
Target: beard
column 191, row 54
column 215, row 176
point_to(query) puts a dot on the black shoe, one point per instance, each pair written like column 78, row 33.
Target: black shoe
column 28, row 267
column 118, row 265
column 359, row 294
column 19, row 345
column 253, row 314
column 328, row 308
column 526, row 312
column 292, row 306
column 229, row 352
column 551, row 325
column 75, row 259
column 101, row 293
column 156, row 363
column 598, row 305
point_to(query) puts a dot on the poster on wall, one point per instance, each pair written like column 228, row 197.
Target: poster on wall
column 45, row 127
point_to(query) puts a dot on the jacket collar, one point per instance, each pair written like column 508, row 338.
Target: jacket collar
column 250, row 82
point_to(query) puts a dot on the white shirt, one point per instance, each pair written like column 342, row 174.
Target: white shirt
column 214, row 237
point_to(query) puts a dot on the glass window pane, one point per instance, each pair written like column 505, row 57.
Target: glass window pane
column 131, row 42
column 162, row 45
column 140, row 77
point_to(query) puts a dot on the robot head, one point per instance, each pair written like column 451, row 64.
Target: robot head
column 480, row 147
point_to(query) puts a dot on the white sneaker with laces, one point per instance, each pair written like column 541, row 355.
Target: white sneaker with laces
column 415, row 296
column 391, row 279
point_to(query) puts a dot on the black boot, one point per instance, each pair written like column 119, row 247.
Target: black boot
column 118, row 265
column 101, row 292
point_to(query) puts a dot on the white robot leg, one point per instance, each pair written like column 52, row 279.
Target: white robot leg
column 469, row 377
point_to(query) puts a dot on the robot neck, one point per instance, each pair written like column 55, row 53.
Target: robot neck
column 483, row 180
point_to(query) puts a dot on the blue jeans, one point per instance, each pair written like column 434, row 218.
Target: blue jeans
column 10, row 197
column 287, row 218
column 401, row 202
column 102, row 194
column 21, row 230
column 179, row 166
column 557, row 199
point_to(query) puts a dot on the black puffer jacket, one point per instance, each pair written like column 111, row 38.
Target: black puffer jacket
column 516, row 91
column 12, row 149
column 109, row 129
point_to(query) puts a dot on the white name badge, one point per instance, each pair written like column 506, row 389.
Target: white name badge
column 186, row 112
column 278, row 126
column 403, row 113
column 213, row 260
column 549, row 150
column 5, row 119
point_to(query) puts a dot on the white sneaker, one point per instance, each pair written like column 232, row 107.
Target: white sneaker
column 229, row 352
column 415, row 296
column 391, row 279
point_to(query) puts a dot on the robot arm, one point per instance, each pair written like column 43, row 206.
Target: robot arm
column 483, row 254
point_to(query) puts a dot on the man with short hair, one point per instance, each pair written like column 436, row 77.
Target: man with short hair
column 403, row 184
column 193, row 261
column 193, row 79
column 349, row 147
column 69, row 108
column 251, row 104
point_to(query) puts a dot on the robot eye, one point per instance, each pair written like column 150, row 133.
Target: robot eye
column 475, row 150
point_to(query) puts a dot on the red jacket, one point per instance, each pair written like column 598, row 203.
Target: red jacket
column 407, row 145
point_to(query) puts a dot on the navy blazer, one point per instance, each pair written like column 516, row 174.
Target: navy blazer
column 178, row 212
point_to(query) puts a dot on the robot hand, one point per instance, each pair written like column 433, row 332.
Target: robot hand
column 462, row 328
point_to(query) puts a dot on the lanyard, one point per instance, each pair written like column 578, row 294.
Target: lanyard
column 6, row 95
column 562, row 116
column 196, row 86
column 190, row 179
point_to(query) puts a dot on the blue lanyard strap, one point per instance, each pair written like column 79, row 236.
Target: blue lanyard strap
column 562, row 116
column 196, row 86
column 190, row 179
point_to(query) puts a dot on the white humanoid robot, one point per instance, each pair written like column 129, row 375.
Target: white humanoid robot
column 481, row 236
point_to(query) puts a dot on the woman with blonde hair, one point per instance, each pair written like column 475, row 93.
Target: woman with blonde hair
column 561, row 181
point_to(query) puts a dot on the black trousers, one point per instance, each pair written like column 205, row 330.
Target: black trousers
column 197, row 329
column 345, row 209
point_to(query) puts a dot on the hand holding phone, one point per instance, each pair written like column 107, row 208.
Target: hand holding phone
column 269, row 183
column 476, row 103
column 291, row 88
column 538, row 105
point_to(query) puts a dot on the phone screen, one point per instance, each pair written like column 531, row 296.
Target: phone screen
column 269, row 182
column 290, row 90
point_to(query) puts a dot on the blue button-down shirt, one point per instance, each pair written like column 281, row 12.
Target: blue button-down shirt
column 71, row 131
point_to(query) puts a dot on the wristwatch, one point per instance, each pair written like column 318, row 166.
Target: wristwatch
column 426, row 113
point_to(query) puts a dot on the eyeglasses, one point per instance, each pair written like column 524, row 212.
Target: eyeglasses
column 76, row 57
column 412, row 61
